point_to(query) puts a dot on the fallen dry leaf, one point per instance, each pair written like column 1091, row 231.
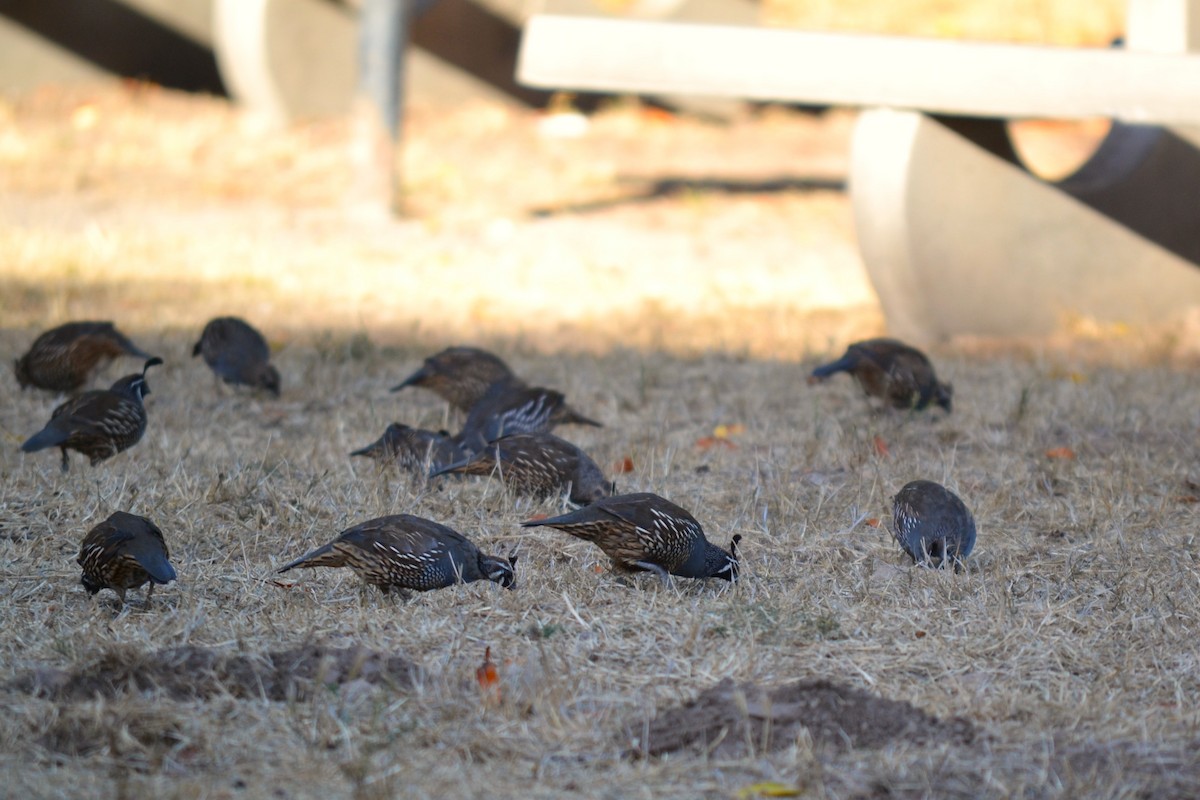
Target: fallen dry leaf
column 881, row 446
column 1065, row 453
column 872, row 522
column 705, row 442
column 769, row 789
column 488, row 678
column 623, row 466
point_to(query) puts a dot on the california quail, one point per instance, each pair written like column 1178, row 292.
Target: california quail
column 99, row 423
column 537, row 464
column 237, row 353
column 511, row 407
column 646, row 532
column 459, row 375
column 932, row 524
column 413, row 449
column 124, row 552
column 63, row 359
column 406, row 552
column 900, row 375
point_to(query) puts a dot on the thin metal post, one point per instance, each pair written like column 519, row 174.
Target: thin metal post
column 382, row 40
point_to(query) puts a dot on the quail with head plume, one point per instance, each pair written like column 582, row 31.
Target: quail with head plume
column 124, row 552
column 405, row 552
column 512, row 407
column 539, row 465
column 459, row 375
column 413, row 449
column 932, row 524
column 237, row 353
column 99, row 423
column 646, row 532
column 65, row 358
column 900, row 375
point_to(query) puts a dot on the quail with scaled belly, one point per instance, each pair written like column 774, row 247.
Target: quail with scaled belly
column 932, row 524
column 99, row 423
column 512, row 407
column 413, row 449
column 65, row 358
column 646, row 532
column 405, row 552
column 538, row 465
column 124, row 552
column 237, row 353
column 459, row 375
column 900, row 375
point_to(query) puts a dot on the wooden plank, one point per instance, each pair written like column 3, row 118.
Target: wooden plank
column 941, row 76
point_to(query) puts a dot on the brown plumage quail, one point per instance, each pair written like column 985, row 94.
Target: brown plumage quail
column 238, row 354
column 405, row 552
column 459, row 375
column 99, row 423
column 65, row 358
column 124, row 552
column 900, row 375
column 512, row 407
column 932, row 524
column 646, row 532
column 413, row 449
column 539, row 465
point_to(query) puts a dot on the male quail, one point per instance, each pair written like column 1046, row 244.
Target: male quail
column 646, row 532
column 406, row 552
column 123, row 552
column 65, row 358
column 512, row 407
column 900, row 375
column 459, row 375
column 237, row 353
column 537, row 464
column 99, row 423
column 413, row 449
column 932, row 524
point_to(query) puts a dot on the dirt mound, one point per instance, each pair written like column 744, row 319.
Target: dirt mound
column 735, row 720
column 187, row 673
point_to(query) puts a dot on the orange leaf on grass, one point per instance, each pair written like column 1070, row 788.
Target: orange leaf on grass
column 1065, row 453
column 872, row 522
column 881, row 446
column 705, row 442
column 488, row 677
column 623, row 466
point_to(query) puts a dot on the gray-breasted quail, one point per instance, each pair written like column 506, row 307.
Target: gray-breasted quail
column 237, row 353
column 646, row 532
column 99, row 423
column 459, row 375
column 932, row 524
column 898, row 374
column 124, row 552
column 65, row 358
column 406, row 552
column 512, row 407
column 413, row 449
column 539, row 465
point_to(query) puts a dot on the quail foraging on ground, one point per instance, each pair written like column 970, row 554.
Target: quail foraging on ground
column 124, row 552
column 513, row 407
column 459, row 375
column 539, row 465
column 413, row 449
column 646, row 532
column 65, row 358
column 932, row 524
column 405, row 552
column 900, row 375
column 99, row 423
column 237, row 353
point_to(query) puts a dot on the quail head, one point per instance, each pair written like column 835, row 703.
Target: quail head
column 237, row 353
column 124, row 552
column 900, row 375
column 459, row 375
column 413, row 449
column 65, row 358
column 932, row 524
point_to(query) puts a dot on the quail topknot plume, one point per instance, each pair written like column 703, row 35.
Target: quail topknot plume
column 646, row 532
column 413, row 449
column 932, row 524
column 511, row 407
column 539, row 465
column 459, row 375
column 900, row 375
column 124, row 552
column 405, row 552
column 65, row 358
column 237, row 353
column 99, row 423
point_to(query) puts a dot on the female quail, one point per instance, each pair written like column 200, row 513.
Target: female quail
column 237, row 353
column 646, row 532
column 99, row 423
column 900, row 375
column 63, row 359
column 932, row 524
column 406, row 552
column 124, row 552
column 539, row 465
column 459, row 375
column 413, row 449
column 512, row 407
